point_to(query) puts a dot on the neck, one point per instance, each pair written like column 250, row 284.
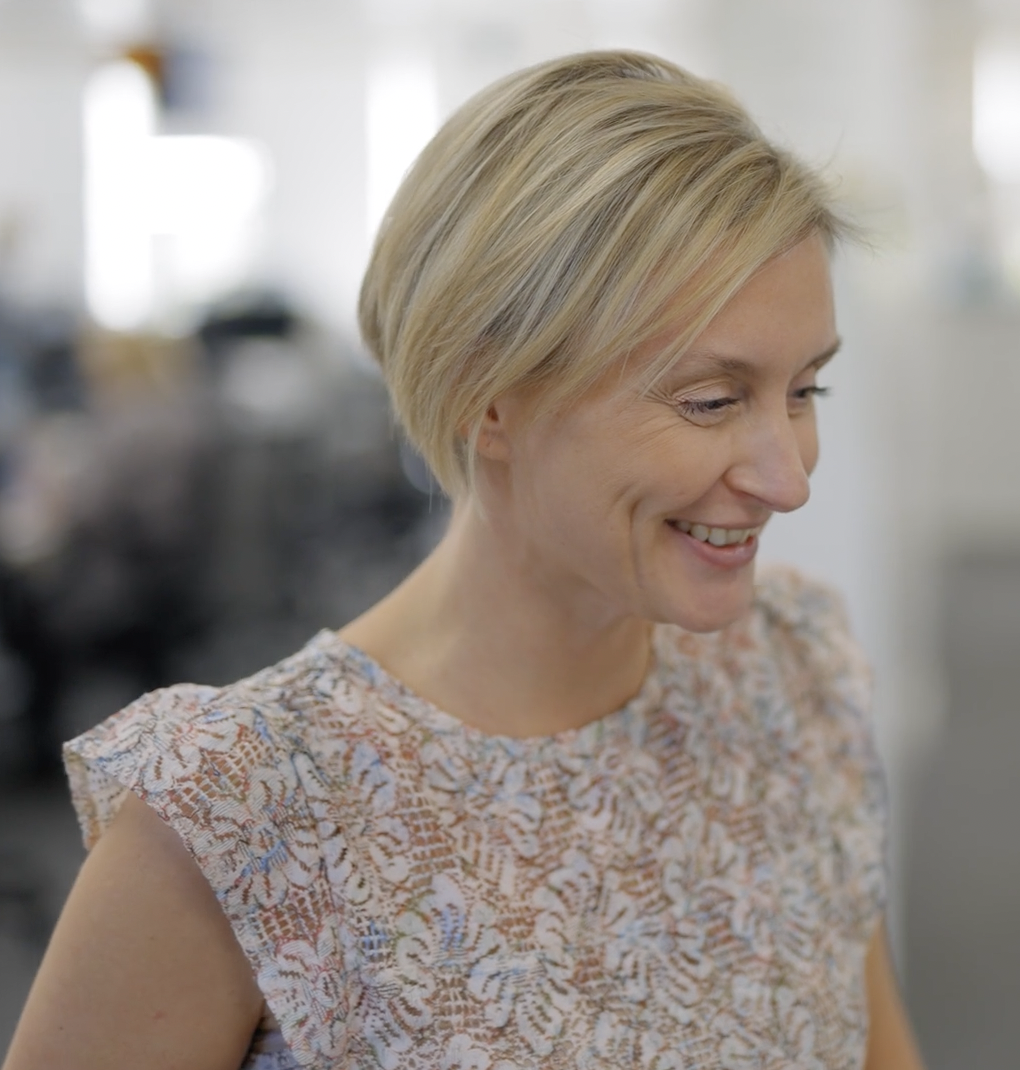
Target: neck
column 479, row 631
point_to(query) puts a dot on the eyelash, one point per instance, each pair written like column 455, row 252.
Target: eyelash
column 712, row 406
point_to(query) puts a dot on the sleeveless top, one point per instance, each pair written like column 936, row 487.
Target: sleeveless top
column 689, row 882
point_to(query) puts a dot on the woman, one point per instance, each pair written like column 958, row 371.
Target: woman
column 578, row 793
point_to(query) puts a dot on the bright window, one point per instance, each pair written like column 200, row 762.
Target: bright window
column 997, row 110
column 402, row 114
column 170, row 221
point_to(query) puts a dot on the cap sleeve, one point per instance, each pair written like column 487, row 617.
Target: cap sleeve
column 238, row 789
column 814, row 615
column 830, row 683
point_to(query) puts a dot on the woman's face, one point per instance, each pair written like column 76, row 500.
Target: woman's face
column 649, row 504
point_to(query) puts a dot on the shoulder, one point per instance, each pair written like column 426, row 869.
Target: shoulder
column 239, row 772
column 792, row 665
column 826, row 685
column 243, row 775
column 823, row 678
column 189, row 748
column 796, row 631
column 794, row 602
column 803, row 623
column 192, row 747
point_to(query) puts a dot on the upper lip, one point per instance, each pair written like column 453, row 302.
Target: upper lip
column 740, row 526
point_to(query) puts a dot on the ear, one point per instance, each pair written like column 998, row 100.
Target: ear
column 496, row 433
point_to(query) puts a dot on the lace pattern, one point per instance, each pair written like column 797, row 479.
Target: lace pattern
column 689, row 882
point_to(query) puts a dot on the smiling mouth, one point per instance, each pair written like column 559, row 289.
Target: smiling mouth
column 716, row 536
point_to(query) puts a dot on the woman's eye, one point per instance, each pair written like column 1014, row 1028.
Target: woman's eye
column 704, row 406
column 806, row 393
column 708, row 410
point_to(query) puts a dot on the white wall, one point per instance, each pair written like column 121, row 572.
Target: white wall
column 291, row 77
column 43, row 63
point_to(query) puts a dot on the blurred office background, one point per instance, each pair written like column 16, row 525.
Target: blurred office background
column 197, row 465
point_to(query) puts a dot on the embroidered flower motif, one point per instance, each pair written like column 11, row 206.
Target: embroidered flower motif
column 634, row 940
column 688, row 884
column 310, row 971
column 462, row 1053
column 618, row 794
column 511, row 804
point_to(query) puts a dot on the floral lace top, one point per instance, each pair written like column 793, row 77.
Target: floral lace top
column 689, row 882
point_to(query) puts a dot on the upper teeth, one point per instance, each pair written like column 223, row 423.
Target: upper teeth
column 716, row 536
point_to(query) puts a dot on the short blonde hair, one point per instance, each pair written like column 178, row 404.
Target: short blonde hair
column 551, row 226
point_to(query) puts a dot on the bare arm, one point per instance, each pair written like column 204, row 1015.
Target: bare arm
column 143, row 969
column 891, row 1044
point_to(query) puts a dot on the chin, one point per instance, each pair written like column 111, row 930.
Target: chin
column 710, row 607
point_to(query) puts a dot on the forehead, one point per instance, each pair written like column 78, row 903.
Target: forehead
column 781, row 321
column 701, row 362
column 784, row 316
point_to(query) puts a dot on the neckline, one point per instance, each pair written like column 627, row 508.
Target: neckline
column 624, row 721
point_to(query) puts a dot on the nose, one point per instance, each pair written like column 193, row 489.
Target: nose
column 775, row 459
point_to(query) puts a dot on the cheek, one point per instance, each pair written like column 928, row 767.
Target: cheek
column 807, row 443
column 561, row 481
column 604, row 466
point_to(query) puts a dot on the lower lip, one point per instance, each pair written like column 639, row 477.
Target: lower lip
column 735, row 556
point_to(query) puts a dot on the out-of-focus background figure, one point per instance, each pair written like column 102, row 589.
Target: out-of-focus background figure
column 197, row 465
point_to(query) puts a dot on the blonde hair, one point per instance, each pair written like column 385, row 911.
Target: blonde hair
column 552, row 225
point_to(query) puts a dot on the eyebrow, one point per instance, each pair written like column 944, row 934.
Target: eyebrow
column 738, row 366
